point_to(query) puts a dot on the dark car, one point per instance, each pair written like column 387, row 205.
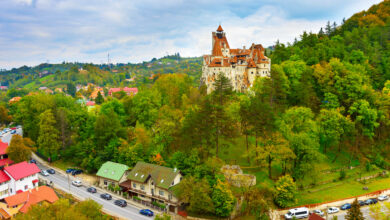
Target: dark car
column 106, row 196
column 33, row 161
column 146, row 212
column 346, row 206
column 91, row 190
column 76, row 172
column 51, row 171
column 361, row 203
column 120, row 202
column 13, row 132
column 370, row 201
column 69, row 170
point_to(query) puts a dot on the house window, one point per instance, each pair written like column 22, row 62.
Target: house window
column 134, row 185
column 105, row 182
column 170, row 196
column 142, row 187
column 10, row 190
column 25, row 187
column 161, row 192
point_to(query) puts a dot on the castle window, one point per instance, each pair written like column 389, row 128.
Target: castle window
column 252, row 72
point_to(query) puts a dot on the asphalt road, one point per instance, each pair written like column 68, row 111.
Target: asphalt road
column 6, row 138
column 64, row 182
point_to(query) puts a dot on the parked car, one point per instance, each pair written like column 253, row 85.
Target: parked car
column 13, row 132
column 318, row 212
column 346, row 206
column 383, row 197
column 91, row 190
column 76, row 172
column 120, row 202
column 44, row 173
column 69, row 170
column 76, row 183
column 361, row 203
column 332, row 210
column 146, row 212
column 33, row 161
column 370, row 201
column 297, row 213
column 106, row 196
column 51, row 171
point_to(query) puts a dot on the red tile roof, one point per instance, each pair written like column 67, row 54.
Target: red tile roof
column 90, row 103
column 314, row 216
column 21, row 170
column 6, row 161
column 3, row 148
column 4, row 177
column 42, row 193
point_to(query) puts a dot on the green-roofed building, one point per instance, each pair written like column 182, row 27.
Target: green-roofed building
column 152, row 182
column 112, row 173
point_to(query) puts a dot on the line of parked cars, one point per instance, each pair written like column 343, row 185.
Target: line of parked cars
column 119, row 202
column 304, row 212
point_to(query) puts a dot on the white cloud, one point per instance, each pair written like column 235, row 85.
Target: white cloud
column 134, row 31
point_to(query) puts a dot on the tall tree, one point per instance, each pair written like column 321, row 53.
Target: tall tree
column 71, row 88
column 48, row 139
column 354, row 212
column 19, row 149
column 285, row 192
column 99, row 99
column 219, row 97
column 223, row 199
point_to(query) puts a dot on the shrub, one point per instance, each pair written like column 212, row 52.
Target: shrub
column 136, row 198
column 117, row 188
column 160, row 205
column 343, row 174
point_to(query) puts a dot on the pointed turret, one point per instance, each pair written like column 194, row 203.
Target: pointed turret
column 219, row 28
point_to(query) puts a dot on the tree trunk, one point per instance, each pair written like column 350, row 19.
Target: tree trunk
column 247, row 146
column 270, row 167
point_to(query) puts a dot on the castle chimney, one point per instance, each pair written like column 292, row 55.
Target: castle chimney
column 243, row 47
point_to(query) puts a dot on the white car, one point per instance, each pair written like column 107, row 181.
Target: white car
column 332, row 210
column 44, row 173
column 383, row 197
column 318, row 212
column 76, row 183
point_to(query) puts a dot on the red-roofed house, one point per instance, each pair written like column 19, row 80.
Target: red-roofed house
column 4, row 181
column 24, row 200
column 90, row 103
column 127, row 90
column 314, row 216
column 4, row 160
column 23, row 176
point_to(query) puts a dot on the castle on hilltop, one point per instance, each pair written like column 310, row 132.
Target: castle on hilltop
column 241, row 66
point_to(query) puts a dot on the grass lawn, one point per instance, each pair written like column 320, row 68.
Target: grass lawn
column 346, row 189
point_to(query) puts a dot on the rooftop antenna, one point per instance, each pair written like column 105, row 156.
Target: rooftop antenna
column 108, row 60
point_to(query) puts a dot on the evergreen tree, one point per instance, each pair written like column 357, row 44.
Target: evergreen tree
column 71, row 88
column 48, row 139
column 354, row 213
column 328, row 28
column 99, row 99
column 222, row 91
column 321, row 32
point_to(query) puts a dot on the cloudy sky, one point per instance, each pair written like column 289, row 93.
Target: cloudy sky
column 37, row 31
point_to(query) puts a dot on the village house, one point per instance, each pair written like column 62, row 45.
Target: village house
column 95, row 93
column 111, row 173
column 23, row 177
column 4, row 160
column 127, row 90
column 21, row 202
column 153, row 183
column 240, row 66
column 3, row 87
